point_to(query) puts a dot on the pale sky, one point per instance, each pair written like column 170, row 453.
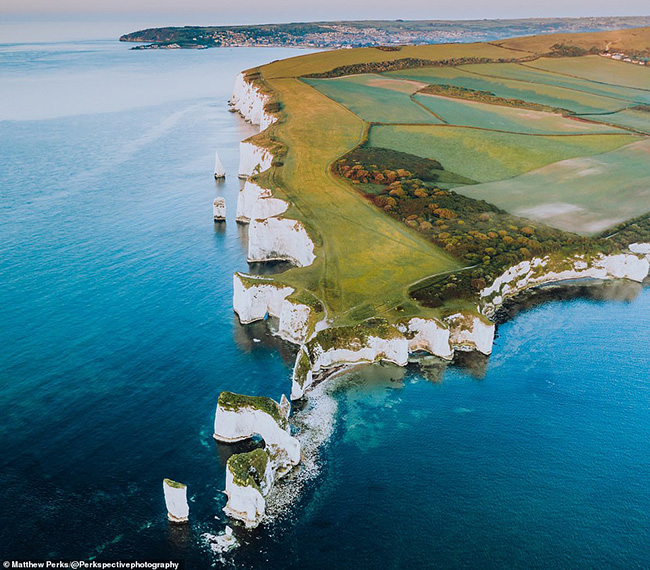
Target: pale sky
column 181, row 12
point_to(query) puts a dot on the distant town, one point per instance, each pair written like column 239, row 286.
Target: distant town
column 331, row 35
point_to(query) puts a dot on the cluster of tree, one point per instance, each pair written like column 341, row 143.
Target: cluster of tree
column 407, row 63
column 486, row 97
column 566, row 50
column 370, row 165
column 477, row 233
column 631, row 231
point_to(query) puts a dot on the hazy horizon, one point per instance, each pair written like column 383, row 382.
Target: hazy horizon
column 205, row 12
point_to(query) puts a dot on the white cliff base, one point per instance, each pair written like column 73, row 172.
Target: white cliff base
column 246, row 496
column 178, row 510
column 219, row 209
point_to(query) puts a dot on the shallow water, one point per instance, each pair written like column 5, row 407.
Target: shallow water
column 117, row 335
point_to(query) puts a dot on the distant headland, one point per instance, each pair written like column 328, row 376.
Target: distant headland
column 368, row 33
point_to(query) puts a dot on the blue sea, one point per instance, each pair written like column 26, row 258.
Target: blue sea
column 117, row 335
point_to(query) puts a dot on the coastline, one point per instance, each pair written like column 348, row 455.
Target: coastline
column 327, row 351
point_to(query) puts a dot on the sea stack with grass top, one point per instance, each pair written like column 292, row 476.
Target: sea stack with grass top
column 178, row 510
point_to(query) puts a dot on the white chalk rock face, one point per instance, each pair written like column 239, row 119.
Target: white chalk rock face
column 178, row 510
column 257, row 203
column 247, row 99
column 256, row 297
column 641, row 248
column 253, row 159
column 537, row 272
column 246, row 199
column 294, row 321
column 429, row 336
column 350, row 349
column 268, row 207
column 624, row 266
column 219, row 209
column 280, row 239
column 249, row 478
column 241, row 417
column 468, row 332
column 219, row 170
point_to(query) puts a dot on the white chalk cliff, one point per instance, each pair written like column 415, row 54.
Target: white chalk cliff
column 539, row 271
column 257, row 203
column 280, row 239
column 219, row 170
column 250, row 476
column 250, row 102
column 253, row 159
column 178, row 510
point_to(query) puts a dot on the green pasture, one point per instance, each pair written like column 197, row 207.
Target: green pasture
column 486, row 156
column 598, row 68
column 638, row 120
column 553, row 96
column 525, row 73
column 375, row 99
column 585, row 195
column 511, row 119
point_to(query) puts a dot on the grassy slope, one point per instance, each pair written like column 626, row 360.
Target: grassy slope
column 551, row 95
column 530, row 73
column 364, row 257
column 635, row 39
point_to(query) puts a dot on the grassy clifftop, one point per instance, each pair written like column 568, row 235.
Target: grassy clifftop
column 559, row 109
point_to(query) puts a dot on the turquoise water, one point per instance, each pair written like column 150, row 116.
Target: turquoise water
column 117, row 334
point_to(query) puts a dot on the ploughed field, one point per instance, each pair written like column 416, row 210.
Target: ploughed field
column 519, row 146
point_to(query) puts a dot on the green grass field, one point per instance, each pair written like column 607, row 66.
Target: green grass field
column 553, row 96
column 376, row 99
column 510, row 119
column 585, row 194
column 638, row 120
column 486, row 156
column 601, row 69
column 527, row 73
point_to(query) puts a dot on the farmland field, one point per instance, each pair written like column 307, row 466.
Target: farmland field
column 487, row 155
column 553, row 96
column 376, row 99
column 511, row 119
column 596, row 68
column 634, row 119
column 524, row 141
column 588, row 194
column 527, row 73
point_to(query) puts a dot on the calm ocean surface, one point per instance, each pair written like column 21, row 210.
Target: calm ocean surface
column 117, row 335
